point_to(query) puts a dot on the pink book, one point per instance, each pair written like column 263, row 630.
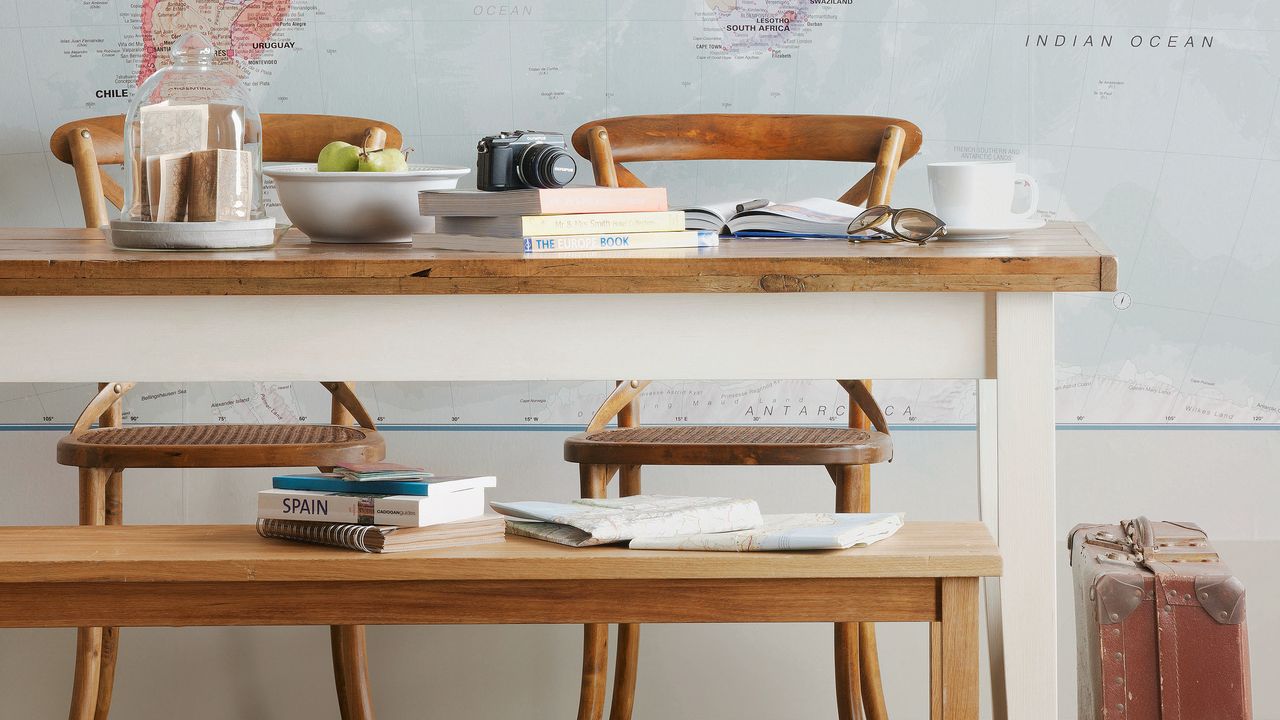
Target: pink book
column 559, row 201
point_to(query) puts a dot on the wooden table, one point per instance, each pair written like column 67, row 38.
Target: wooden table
column 72, row 309
column 227, row 575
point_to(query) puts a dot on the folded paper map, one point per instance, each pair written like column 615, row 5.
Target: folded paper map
column 168, row 185
column 609, row 520
column 808, row 531
column 220, row 185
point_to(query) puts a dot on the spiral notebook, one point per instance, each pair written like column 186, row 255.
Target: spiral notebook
column 385, row 539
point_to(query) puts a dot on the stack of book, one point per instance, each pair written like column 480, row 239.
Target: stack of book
column 556, row 220
column 379, row 507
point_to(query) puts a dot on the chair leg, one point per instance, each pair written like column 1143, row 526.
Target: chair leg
column 113, row 507
column 857, row 656
column 848, row 681
column 84, row 688
column 628, row 657
column 869, row 668
column 595, row 669
column 595, row 636
column 339, row 670
column 351, row 671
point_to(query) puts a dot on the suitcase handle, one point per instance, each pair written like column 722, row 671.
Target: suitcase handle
column 1142, row 535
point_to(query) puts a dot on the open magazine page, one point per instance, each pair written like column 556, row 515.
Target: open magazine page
column 608, row 520
column 817, row 216
column 809, row 531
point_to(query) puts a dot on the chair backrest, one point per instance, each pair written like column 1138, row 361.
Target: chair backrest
column 92, row 142
column 883, row 141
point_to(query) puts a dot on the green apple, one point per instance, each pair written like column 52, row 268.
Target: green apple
column 338, row 156
column 383, row 160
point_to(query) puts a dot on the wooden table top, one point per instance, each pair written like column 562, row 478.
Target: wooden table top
column 235, row 553
column 1059, row 257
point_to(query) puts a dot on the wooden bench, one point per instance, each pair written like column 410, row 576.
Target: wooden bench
column 227, row 575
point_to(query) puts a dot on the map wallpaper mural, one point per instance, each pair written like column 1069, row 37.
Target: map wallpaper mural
column 1155, row 121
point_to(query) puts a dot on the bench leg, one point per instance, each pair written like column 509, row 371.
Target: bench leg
column 954, row 648
column 351, row 671
column 84, row 687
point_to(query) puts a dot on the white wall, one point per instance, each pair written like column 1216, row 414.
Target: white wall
column 1225, row 480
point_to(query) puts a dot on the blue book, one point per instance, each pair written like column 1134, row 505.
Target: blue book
column 332, row 482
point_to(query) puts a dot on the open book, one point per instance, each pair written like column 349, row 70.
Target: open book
column 807, row 217
column 586, row 522
column 808, row 531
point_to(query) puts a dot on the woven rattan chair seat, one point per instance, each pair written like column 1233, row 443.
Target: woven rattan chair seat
column 729, row 445
column 221, row 446
column 222, row 435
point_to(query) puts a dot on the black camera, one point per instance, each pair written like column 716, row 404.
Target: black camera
column 524, row 159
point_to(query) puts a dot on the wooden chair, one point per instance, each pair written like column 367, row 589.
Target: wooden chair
column 103, row 453
column 601, row 453
column 90, row 143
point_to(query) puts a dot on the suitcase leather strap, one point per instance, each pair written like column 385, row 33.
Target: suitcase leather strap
column 1143, row 540
column 1167, row 644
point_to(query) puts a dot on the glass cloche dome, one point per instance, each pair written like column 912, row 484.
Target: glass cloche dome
column 193, row 142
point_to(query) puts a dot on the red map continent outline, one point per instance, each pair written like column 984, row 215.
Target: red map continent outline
column 234, row 27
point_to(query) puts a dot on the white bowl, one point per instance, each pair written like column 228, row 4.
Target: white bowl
column 359, row 207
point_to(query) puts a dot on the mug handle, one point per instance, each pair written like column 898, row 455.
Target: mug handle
column 1034, row 201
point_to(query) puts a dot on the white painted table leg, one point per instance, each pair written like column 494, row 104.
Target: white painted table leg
column 988, row 509
column 1026, row 491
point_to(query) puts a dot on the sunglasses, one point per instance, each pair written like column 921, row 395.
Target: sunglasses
column 903, row 225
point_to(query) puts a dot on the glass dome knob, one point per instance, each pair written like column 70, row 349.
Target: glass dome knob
column 191, row 49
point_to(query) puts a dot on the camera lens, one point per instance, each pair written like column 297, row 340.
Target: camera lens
column 546, row 166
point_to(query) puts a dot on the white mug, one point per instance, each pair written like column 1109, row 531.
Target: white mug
column 979, row 193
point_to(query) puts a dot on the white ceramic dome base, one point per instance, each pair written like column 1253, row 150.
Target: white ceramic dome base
column 227, row 235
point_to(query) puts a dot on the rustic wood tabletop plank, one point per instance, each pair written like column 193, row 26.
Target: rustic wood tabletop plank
column 1058, row 257
column 235, row 553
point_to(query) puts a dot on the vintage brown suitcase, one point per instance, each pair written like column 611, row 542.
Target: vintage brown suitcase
column 1160, row 631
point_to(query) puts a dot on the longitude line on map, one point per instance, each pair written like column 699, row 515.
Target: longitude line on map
column 1222, row 281
column 297, row 402
column 31, row 95
column 893, row 55
column 417, row 89
column 986, row 86
column 1146, row 231
column 377, row 403
column 511, row 71
column 604, row 105
column 1066, row 170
